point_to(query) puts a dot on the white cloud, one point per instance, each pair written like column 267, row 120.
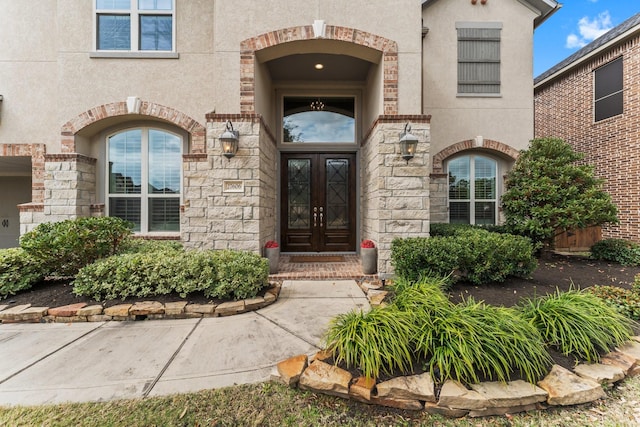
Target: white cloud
column 589, row 30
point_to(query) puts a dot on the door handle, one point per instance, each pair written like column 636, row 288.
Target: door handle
column 321, row 216
column 315, row 216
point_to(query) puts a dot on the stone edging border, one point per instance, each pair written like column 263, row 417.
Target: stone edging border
column 560, row 387
column 151, row 310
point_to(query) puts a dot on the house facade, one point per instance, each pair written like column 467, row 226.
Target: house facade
column 117, row 107
column 591, row 100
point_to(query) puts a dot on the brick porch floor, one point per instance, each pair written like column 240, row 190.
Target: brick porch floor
column 349, row 269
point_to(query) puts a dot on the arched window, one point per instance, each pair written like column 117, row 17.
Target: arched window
column 473, row 194
column 144, row 178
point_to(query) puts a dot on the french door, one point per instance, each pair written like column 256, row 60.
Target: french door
column 318, row 202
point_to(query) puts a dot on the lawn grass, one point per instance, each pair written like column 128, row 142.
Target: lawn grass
column 271, row 404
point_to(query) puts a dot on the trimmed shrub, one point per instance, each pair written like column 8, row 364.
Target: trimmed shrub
column 477, row 255
column 169, row 270
column 18, row 271
column 148, row 245
column 373, row 342
column 65, row 247
column 448, row 229
column 578, row 323
column 621, row 251
column 240, row 274
column 492, row 257
column 416, row 257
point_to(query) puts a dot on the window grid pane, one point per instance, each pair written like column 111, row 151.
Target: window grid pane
column 485, row 178
column 485, row 213
column 113, row 4
column 459, row 182
column 114, row 32
column 155, row 5
column 164, row 214
column 164, row 162
column 156, row 32
column 125, row 167
column 126, row 208
column 459, row 213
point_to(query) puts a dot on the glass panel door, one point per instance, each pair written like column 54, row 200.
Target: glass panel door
column 318, row 202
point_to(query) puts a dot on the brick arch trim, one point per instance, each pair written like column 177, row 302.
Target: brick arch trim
column 248, row 48
column 149, row 109
column 470, row 144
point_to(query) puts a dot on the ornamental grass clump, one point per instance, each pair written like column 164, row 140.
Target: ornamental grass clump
column 577, row 323
column 372, row 342
column 471, row 341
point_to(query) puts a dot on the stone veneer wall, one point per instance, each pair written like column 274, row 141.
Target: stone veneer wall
column 439, row 191
column 69, row 191
column 395, row 194
column 244, row 218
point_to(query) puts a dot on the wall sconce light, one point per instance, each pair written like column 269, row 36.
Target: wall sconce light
column 229, row 141
column 408, row 143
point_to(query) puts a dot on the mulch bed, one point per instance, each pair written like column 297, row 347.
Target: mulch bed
column 554, row 272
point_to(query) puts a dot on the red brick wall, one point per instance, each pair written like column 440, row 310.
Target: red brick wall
column 564, row 109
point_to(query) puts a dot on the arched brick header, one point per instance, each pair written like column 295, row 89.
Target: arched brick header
column 150, row 109
column 248, row 48
column 486, row 144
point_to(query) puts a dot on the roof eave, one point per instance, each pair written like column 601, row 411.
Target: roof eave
column 587, row 56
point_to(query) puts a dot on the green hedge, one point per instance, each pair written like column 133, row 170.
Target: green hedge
column 478, row 256
column 18, row 271
column 65, row 247
column 617, row 250
column 447, row 229
column 222, row 274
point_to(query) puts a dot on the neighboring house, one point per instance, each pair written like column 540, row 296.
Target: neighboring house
column 592, row 100
column 116, row 107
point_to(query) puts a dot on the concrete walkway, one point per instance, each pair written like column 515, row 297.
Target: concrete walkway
column 51, row 363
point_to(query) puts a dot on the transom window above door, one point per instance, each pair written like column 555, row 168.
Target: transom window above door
column 134, row 25
column 309, row 119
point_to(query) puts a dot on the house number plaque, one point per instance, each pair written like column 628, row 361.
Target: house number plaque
column 233, row 186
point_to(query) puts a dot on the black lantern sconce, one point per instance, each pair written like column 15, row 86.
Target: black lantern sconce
column 408, row 143
column 229, row 141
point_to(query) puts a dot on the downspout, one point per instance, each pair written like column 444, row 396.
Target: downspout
column 425, row 30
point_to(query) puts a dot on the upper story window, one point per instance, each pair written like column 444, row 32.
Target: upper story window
column 473, row 190
column 478, row 58
column 144, row 178
column 135, row 25
column 318, row 119
column 608, row 100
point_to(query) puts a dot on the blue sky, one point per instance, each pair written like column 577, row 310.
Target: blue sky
column 576, row 24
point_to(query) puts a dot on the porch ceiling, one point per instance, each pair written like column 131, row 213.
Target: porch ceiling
column 299, row 67
column 15, row 166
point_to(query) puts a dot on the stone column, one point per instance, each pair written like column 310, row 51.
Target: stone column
column 230, row 203
column 69, row 186
column 395, row 196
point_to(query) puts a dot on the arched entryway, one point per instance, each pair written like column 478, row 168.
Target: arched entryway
column 319, row 88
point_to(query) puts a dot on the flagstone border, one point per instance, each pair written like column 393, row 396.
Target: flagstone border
column 146, row 310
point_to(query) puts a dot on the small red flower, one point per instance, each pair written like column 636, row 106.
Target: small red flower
column 271, row 244
column 367, row 244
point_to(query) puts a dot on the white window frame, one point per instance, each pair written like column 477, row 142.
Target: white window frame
column 472, row 184
column 134, row 13
column 479, row 25
column 144, row 194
